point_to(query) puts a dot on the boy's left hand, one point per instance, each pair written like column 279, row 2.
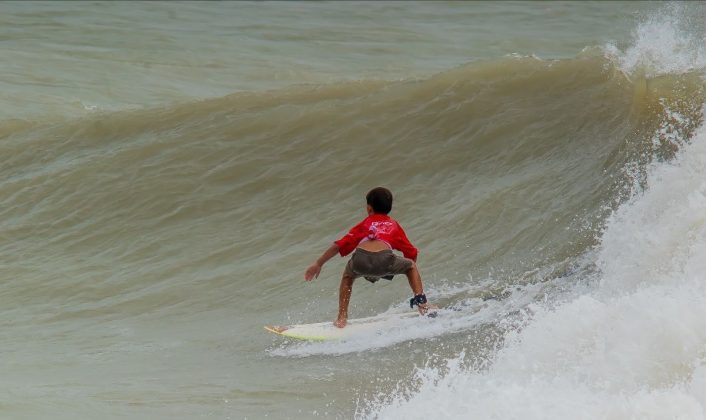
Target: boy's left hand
column 312, row 272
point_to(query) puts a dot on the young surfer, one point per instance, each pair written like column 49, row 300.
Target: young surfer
column 373, row 240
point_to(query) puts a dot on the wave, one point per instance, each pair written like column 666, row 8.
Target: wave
column 529, row 156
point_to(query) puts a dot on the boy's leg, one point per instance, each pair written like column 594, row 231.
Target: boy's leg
column 415, row 283
column 344, row 298
column 415, row 280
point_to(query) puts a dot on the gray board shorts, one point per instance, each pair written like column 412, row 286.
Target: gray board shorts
column 374, row 265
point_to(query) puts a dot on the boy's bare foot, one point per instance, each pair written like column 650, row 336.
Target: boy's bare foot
column 340, row 323
column 425, row 308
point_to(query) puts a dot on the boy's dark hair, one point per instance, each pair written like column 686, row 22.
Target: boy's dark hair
column 380, row 199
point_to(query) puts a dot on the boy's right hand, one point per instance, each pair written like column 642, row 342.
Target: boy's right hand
column 312, row 272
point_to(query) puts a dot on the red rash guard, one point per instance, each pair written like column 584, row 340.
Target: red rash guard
column 381, row 227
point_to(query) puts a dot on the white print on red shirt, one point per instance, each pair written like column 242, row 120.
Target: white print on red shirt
column 382, row 227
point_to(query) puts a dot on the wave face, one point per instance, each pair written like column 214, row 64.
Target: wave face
column 511, row 150
column 556, row 203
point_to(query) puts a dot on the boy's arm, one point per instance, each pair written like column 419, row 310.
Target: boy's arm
column 314, row 269
column 343, row 246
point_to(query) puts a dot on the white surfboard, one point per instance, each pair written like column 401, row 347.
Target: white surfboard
column 324, row 331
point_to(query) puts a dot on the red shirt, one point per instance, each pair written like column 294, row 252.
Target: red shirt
column 381, row 227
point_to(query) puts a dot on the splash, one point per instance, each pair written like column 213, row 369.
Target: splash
column 670, row 41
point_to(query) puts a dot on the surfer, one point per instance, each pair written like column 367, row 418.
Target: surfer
column 373, row 240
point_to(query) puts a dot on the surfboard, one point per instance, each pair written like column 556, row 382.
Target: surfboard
column 326, row 331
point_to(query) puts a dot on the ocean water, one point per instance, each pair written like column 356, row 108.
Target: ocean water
column 170, row 169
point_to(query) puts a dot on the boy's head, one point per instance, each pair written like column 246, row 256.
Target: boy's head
column 380, row 200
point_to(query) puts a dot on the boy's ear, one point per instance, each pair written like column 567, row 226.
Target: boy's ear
column 369, row 208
